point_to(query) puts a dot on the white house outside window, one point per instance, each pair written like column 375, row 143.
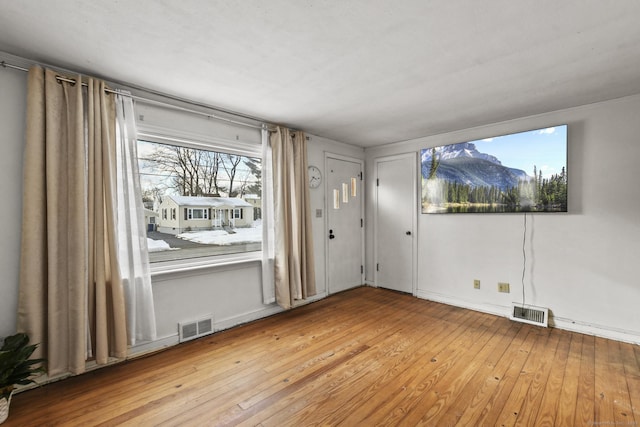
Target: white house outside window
column 201, row 196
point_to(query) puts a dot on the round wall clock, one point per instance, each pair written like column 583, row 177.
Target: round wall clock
column 315, row 177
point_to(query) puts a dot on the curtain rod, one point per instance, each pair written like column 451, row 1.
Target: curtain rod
column 4, row 64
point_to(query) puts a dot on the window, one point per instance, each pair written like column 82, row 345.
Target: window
column 237, row 213
column 197, row 213
column 200, row 195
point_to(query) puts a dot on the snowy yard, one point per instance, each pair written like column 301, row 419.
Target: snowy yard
column 213, row 237
column 157, row 245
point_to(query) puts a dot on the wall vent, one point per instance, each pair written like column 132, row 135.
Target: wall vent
column 195, row 329
column 529, row 314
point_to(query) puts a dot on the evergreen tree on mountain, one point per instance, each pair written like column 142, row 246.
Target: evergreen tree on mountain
column 435, row 162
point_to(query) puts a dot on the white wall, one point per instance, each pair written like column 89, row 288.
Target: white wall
column 232, row 294
column 582, row 265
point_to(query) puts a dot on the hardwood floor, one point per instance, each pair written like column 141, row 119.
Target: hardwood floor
column 360, row 358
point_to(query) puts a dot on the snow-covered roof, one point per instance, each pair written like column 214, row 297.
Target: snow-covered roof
column 213, row 202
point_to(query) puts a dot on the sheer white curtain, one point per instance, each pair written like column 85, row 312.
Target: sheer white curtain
column 132, row 237
column 268, row 245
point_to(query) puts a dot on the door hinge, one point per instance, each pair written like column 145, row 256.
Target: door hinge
column 362, row 269
column 360, row 176
column 377, row 182
column 361, row 222
column 377, row 267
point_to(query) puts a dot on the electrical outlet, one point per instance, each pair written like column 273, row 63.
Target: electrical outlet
column 476, row 284
column 503, row 287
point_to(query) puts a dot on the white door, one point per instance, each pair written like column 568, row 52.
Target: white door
column 395, row 222
column 345, row 231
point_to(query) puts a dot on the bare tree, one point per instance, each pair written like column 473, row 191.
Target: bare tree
column 152, row 197
column 175, row 162
column 194, row 172
column 210, row 167
column 255, row 169
column 230, row 164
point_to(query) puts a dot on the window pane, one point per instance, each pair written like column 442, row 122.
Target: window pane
column 182, row 185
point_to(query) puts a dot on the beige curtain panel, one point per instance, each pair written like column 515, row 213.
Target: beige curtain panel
column 294, row 263
column 70, row 298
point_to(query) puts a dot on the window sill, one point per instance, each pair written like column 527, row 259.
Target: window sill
column 178, row 268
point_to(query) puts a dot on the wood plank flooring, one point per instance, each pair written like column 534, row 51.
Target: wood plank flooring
column 364, row 357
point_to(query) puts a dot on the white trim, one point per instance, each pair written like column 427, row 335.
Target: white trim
column 497, row 310
column 163, row 135
column 232, row 321
column 191, row 211
column 632, row 337
column 168, row 270
column 153, row 346
column 628, row 336
column 309, row 300
column 220, row 325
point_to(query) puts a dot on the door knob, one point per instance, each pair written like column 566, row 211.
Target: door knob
column 331, row 236
column 408, row 233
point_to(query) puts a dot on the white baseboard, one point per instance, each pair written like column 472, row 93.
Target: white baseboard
column 219, row 325
column 230, row 322
column 497, row 310
column 632, row 337
column 152, row 346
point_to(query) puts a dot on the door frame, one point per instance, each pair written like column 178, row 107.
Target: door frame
column 413, row 156
column 328, row 204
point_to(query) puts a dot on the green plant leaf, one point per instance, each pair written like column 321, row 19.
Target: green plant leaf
column 15, row 365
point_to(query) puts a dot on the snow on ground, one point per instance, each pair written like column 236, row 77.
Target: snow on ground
column 221, row 237
column 157, row 245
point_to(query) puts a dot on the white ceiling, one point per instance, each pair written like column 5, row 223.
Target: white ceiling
column 366, row 72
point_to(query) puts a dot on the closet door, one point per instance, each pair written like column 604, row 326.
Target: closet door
column 395, row 222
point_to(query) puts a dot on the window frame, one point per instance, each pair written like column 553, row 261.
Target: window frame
column 168, row 136
column 204, row 212
column 237, row 213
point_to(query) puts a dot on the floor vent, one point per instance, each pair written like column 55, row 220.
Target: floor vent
column 529, row 314
column 195, row 329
